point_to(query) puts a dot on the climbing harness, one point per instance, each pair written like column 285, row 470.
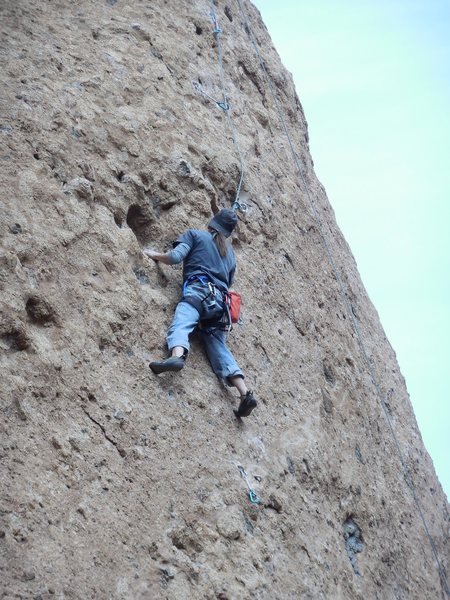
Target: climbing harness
column 202, row 278
column 225, row 106
column 348, row 305
column 253, row 496
column 218, row 308
column 214, row 300
column 211, row 306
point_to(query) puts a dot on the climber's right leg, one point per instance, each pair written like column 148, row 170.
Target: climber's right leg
column 222, row 360
column 225, row 366
column 184, row 322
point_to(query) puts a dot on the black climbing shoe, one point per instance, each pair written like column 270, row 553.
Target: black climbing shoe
column 248, row 403
column 174, row 363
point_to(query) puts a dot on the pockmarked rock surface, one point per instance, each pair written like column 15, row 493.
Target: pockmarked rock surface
column 117, row 484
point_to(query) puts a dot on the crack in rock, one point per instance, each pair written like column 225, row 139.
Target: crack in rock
column 120, row 450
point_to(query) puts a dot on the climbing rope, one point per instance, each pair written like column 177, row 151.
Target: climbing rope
column 236, row 205
column 349, row 307
column 225, row 106
column 253, row 496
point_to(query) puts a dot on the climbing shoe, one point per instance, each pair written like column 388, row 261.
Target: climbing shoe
column 174, row 363
column 248, row 403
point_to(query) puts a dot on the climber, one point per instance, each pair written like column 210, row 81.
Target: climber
column 208, row 270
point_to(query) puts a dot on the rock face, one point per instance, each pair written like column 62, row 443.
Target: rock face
column 120, row 484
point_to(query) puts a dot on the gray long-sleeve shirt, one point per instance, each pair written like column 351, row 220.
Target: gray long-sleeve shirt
column 199, row 252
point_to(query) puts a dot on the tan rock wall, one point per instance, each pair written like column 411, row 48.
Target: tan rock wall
column 120, row 484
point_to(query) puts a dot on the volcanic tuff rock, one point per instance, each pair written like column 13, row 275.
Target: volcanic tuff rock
column 120, row 484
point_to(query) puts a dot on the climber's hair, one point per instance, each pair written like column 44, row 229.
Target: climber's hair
column 221, row 242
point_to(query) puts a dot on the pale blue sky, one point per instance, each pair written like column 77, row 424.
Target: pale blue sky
column 374, row 81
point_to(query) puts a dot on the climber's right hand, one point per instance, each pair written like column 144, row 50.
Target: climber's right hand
column 151, row 253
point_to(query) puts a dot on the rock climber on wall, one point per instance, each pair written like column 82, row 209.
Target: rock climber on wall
column 208, row 270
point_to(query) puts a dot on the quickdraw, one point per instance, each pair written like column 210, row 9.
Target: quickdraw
column 220, row 103
column 253, row 496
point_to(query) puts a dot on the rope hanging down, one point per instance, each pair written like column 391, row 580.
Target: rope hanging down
column 348, row 305
column 225, row 106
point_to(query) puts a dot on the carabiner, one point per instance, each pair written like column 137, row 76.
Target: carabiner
column 254, row 498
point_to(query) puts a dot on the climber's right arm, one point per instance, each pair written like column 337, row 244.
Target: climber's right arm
column 172, row 257
column 179, row 253
column 157, row 256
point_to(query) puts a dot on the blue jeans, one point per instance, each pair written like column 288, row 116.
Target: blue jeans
column 185, row 320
